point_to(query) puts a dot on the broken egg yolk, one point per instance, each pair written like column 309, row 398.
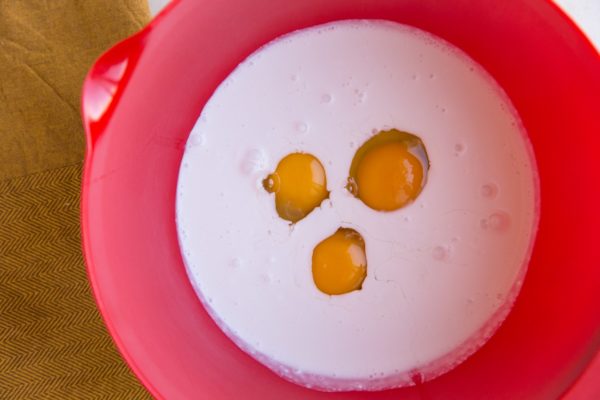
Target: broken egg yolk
column 339, row 262
column 389, row 170
column 300, row 185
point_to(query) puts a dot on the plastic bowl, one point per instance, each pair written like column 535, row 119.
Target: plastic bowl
column 141, row 99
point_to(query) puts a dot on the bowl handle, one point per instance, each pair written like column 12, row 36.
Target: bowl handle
column 106, row 82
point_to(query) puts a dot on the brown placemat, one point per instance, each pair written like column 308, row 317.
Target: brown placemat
column 53, row 344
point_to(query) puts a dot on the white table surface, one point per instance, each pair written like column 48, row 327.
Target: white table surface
column 586, row 13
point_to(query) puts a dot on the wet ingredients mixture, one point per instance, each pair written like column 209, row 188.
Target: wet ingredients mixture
column 356, row 206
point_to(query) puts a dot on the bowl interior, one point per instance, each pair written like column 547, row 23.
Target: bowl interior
column 142, row 98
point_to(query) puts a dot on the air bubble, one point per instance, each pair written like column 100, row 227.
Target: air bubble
column 326, row 98
column 499, row 221
column 196, row 140
column 483, row 223
column 440, row 253
column 254, row 161
column 459, row 149
column 489, row 191
column 301, row 127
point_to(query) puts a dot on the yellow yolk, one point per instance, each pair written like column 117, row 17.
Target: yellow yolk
column 389, row 177
column 339, row 263
column 299, row 184
column 385, row 173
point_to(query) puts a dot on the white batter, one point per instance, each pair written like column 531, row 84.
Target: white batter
column 442, row 272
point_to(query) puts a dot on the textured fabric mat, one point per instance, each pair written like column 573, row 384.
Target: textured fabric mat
column 53, row 344
column 52, row 340
column 46, row 48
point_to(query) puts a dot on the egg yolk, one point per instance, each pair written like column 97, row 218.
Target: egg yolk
column 299, row 184
column 386, row 174
column 339, row 263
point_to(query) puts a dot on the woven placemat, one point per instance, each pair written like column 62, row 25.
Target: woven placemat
column 53, row 343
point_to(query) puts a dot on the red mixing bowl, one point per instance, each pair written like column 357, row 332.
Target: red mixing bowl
column 141, row 99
